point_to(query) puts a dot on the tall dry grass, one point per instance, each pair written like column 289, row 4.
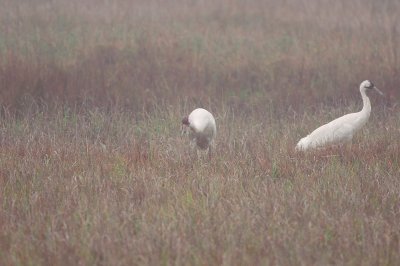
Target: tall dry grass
column 102, row 188
column 93, row 170
column 142, row 54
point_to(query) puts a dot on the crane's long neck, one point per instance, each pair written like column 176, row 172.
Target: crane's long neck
column 366, row 103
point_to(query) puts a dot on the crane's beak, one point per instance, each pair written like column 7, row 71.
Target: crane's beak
column 183, row 130
column 381, row 93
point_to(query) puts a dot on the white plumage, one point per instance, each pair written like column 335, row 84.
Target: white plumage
column 343, row 128
column 202, row 128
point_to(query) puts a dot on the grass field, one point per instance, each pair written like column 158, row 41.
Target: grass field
column 94, row 171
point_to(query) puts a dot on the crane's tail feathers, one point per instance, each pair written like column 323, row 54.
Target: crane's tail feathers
column 303, row 144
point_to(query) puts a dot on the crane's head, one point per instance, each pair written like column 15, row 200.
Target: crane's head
column 185, row 121
column 368, row 85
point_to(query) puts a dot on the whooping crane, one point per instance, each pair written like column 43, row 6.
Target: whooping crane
column 342, row 128
column 202, row 128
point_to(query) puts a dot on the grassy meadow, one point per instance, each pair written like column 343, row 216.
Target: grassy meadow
column 93, row 167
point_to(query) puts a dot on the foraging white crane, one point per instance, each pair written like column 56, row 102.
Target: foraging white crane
column 343, row 128
column 202, row 128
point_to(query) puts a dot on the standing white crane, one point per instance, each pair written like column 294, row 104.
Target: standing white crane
column 342, row 128
column 202, row 128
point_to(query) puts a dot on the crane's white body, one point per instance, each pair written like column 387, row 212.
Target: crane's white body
column 341, row 129
column 203, row 128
